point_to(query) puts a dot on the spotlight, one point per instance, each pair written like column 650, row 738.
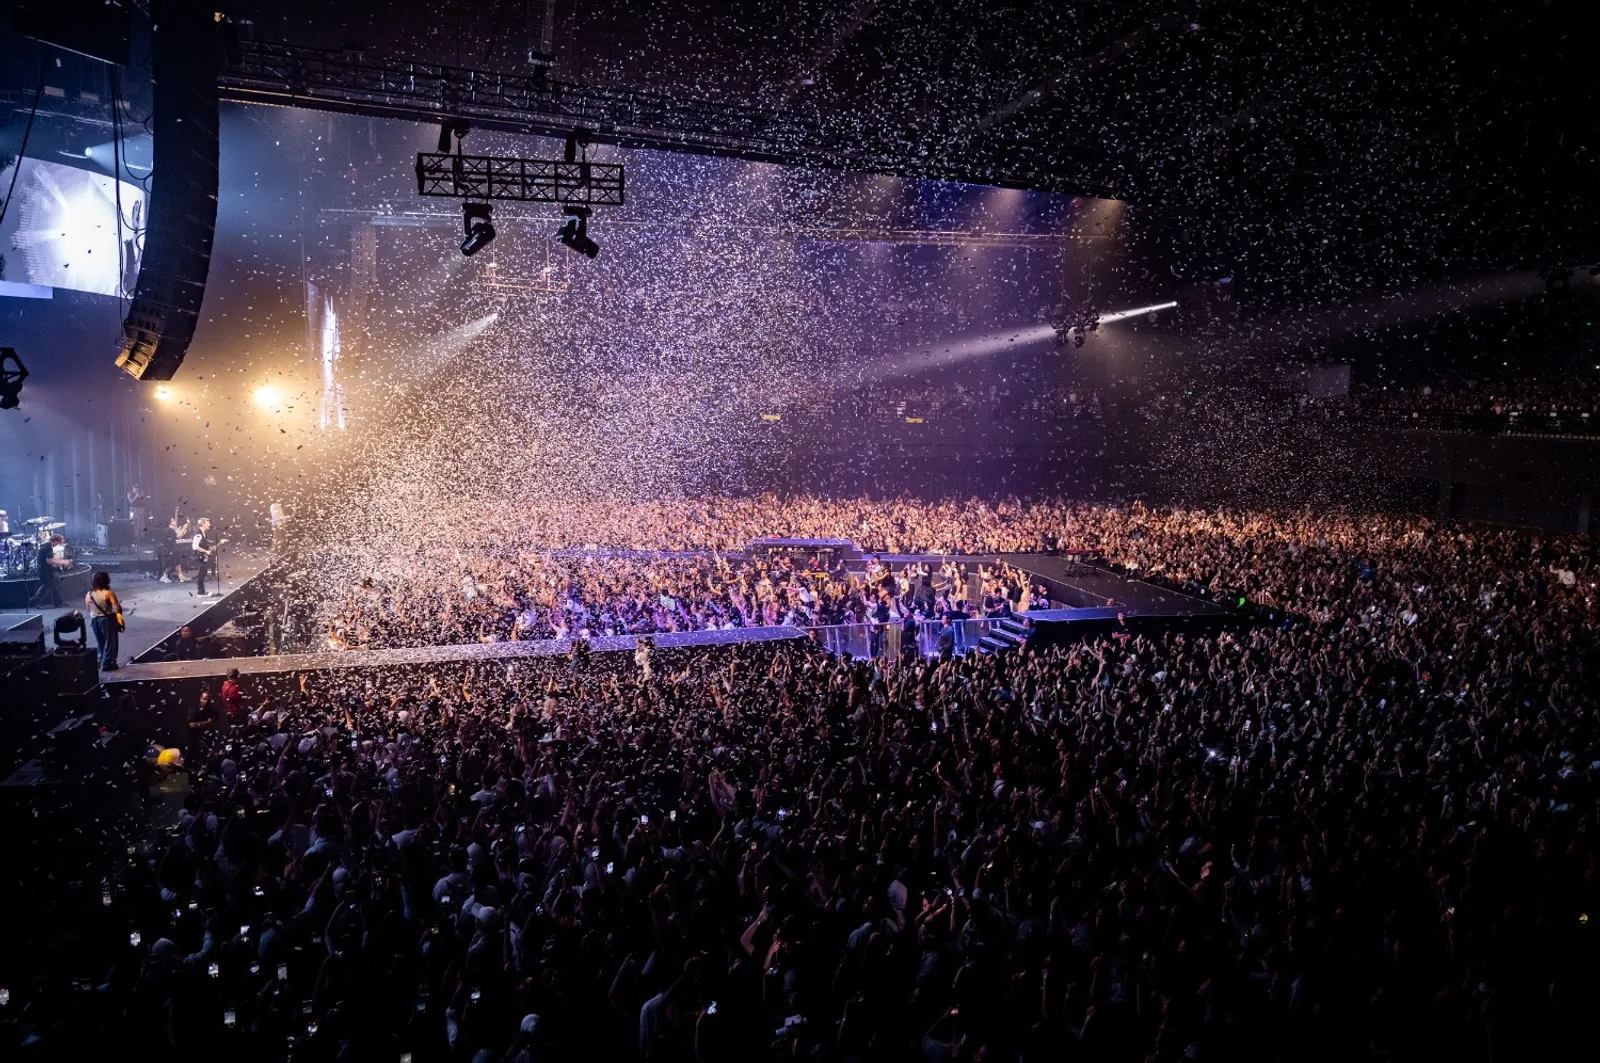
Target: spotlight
column 269, row 396
column 452, row 127
column 478, row 227
column 164, row 393
column 12, row 374
column 65, row 627
column 575, row 233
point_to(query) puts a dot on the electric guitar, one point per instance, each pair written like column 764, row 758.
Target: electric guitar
column 220, row 544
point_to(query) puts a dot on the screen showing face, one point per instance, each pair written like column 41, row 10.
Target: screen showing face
column 61, row 231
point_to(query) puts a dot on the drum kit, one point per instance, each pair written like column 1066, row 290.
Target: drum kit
column 20, row 551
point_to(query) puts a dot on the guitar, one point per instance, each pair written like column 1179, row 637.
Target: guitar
column 220, row 544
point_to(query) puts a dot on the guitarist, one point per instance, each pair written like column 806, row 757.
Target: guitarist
column 105, row 617
column 205, row 550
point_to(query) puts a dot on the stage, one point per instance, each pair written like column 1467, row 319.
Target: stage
column 152, row 609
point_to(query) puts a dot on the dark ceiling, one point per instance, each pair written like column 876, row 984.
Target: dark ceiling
column 1394, row 139
column 1342, row 144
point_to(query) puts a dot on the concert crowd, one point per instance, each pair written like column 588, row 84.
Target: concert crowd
column 1364, row 830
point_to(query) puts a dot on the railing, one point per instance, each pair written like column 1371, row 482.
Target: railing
column 860, row 640
column 888, row 641
column 965, row 635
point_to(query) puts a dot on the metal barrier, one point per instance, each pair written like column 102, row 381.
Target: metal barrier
column 966, row 635
column 860, row 640
column 887, row 641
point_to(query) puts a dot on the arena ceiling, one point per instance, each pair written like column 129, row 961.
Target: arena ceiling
column 1352, row 142
column 1463, row 132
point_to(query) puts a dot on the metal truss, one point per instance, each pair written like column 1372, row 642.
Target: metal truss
column 530, row 180
column 351, row 82
column 268, row 72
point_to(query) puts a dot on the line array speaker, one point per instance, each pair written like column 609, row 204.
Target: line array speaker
column 183, row 203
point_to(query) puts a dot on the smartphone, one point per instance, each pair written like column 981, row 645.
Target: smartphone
column 259, row 892
column 611, row 866
column 673, row 815
column 283, row 972
column 133, row 939
column 244, row 931
column 644, row 819
column 711, row 1008
column 214, row 970
column 229, row 1018
column 105, row 898
column 475, row 994
column 594, row 854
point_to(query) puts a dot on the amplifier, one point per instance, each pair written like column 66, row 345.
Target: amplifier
column 115, row 534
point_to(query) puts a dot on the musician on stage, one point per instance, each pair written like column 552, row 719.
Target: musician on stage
column 177, row 547
column 139, row 512
column 46, row 565
column 278, row 517
column 205, row 550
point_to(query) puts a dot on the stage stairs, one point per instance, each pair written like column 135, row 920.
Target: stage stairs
column 1005, row 633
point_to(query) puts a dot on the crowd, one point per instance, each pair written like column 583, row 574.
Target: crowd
column 1365, row 830
column 540, row 594
column 1555, row 402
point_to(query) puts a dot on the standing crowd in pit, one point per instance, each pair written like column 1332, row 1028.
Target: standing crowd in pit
column 543, row 595
column 1365, row 831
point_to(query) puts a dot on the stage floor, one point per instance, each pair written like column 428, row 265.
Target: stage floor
column 152, row 609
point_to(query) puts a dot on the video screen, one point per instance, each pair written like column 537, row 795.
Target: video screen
column 61, row 230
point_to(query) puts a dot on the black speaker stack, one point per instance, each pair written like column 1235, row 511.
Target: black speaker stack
column 183, row 200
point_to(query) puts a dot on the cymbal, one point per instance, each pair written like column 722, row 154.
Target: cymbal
column 55, row 526
column 37, row 520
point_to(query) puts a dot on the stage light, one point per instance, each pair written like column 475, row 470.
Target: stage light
column 575, row 233
column 12, row 374
column 269, row 395
column 452, row 127
column 1123, row 315
column 478, row 227
column 164, row 393
column 65, row 628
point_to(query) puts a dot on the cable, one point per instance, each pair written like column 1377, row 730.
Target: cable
column 116, row 189
column 27, row 131
column 119, row 167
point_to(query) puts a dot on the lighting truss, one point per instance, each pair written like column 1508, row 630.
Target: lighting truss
column 529, row 180
column 350, row 82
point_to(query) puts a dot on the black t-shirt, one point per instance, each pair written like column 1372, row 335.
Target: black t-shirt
column 46, row 569
column 206, row 713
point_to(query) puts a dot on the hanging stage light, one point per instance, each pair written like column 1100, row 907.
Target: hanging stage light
column 575, row 233
column 452, row 128
column 12, row 374
column 478, row 227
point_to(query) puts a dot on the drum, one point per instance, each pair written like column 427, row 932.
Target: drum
column 18, row 553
